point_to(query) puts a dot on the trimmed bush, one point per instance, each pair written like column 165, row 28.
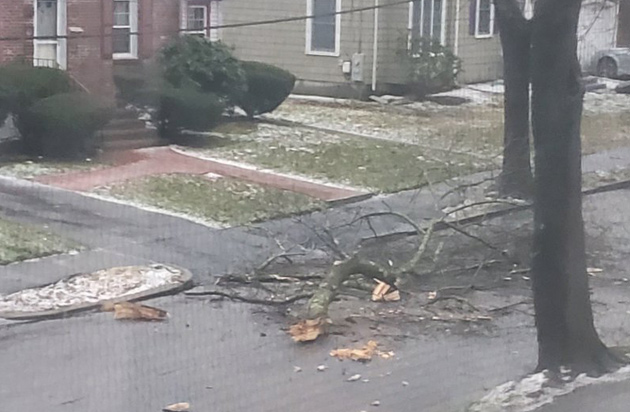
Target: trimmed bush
column 186, row 109
column 65, row 125
column 191, row 62
column 267, row 87
column 21, row 85
column 431, row 67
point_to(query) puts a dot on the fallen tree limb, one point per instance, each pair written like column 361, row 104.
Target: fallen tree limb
column 254, row 301
column 317, row 306
column 284, row 255
column 248, row 279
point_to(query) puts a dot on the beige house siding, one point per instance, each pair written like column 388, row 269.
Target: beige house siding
column 284, row 44
column 482, row 59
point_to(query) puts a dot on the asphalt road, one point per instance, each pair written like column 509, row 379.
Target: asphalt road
column 222, row 356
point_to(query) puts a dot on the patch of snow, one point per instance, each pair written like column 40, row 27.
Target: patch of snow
column 320, row 99
column 92, row 288
column 200, row 155
column 495, row 87
column 479, row 97
column 534, row 391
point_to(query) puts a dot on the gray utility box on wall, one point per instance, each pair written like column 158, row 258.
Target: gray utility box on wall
column 356, row 75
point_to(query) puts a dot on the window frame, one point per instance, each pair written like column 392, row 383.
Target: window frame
column 133, row 32
column 60, row 37
column 491, row 27
column 203, row 31
column 410, row 27
column 309, row 32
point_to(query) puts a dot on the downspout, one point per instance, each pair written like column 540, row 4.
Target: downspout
column 457, row 17
column 375, row 46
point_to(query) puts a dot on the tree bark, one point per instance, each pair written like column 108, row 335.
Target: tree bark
column 515, row 31
column 564, row 317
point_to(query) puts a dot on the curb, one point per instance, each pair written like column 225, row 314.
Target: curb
column 165, row 290
column 611, row 187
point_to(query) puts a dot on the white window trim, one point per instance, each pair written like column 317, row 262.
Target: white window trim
column 477, row 11
column 442, row 24
column 205, row 20
column 61, row 42
column 309, row 32
column 133, row 36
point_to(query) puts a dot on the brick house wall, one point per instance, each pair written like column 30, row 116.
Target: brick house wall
column 88, row 50
column 12, row 25
column 89, row 37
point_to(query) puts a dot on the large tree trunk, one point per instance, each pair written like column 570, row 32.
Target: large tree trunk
column 564, row 318
column 515, row 30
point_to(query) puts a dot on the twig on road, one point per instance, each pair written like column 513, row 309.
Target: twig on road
column 254, row 301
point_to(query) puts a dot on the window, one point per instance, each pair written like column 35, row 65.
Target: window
column 482, row 12
column 124, row 35
column 49, row 24
column 197, row 21
column 322, row 30
column 427, row 19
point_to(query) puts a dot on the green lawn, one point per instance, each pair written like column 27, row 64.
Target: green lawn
column 379, row 165
column 20, row 242
column 224, row 200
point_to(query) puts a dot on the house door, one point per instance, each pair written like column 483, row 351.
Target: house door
column 623, row 24
column 49, row 24
column 427, row 19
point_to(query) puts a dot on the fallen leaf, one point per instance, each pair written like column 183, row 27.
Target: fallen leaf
column 135, row 311
column 177, row 407
column 363, row 354
column 354, row 378
column 308, row 330
column 383, row 293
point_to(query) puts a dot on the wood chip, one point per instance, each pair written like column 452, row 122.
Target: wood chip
column 135, row 311
column 177, row 407
column 362, row 354
column 383, row 293
column 354, row 378
column 308, row 330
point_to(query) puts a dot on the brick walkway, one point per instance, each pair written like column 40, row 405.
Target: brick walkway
column 164, row 160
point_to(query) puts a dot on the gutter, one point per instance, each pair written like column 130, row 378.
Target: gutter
column 375, row 45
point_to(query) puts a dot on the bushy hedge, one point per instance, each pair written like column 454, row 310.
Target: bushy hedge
column 64, row 125
column 267, row 87
column 431, row 67
column 191, row 62
column 195, row 81
column 21, row 86
column 187, row 109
